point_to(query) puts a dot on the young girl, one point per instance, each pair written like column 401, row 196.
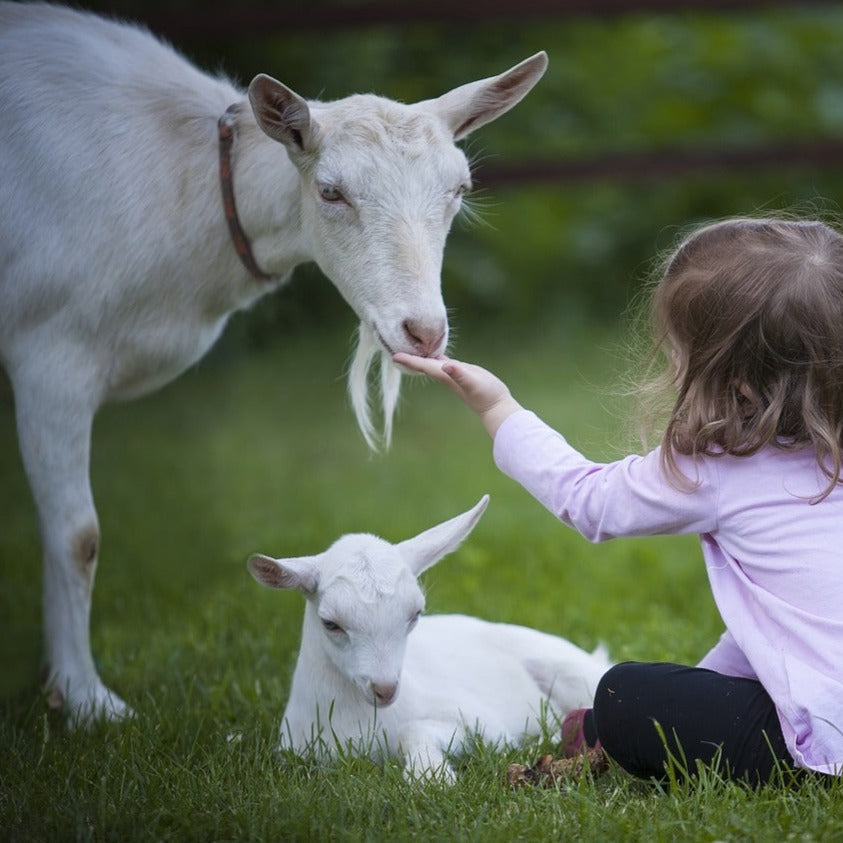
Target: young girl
column 749, row 313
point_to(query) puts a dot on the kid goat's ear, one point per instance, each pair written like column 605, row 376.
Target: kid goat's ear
column 429, row 547
column 300, row 572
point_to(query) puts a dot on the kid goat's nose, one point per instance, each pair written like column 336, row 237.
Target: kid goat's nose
column 385, row 692
column 425, row 337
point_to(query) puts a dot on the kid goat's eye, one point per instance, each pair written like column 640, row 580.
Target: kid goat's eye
column 414, row 620
column 330, row 626
column 331, row 193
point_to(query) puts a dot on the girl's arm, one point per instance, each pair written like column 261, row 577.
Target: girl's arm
column 480, row 390
column 629, row 497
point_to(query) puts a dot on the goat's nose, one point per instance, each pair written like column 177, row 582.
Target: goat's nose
column 385, row 692
column 425, row 337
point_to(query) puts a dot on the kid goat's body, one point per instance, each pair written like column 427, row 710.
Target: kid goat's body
column 462, row 676
column 373, row 675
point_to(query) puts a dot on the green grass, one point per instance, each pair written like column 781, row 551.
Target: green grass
column 259, row 452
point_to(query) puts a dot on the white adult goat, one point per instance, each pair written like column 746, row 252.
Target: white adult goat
column 458, row 675
column 117, row 270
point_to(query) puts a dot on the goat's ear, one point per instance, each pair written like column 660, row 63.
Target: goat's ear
column 282, row 114
column 301, row 572
column 429, row 547
column 473, row 105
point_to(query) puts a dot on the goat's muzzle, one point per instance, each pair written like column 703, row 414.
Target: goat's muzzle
column 384, row 693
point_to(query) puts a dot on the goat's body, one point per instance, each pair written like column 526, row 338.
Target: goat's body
column 117, row 271
column 114, row 253
column 462, row 676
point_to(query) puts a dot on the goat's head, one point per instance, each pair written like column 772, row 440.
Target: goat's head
column 381, row 184
column 364, row 598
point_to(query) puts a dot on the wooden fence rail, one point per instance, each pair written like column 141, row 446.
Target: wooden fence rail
column 664, row 164
column 228, row 19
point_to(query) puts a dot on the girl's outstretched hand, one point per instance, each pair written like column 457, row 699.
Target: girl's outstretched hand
column 477, row 387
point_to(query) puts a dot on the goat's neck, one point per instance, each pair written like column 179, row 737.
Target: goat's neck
column 268, row 195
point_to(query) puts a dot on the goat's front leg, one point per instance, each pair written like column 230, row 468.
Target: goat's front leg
column 54, row 420
column 423, row 745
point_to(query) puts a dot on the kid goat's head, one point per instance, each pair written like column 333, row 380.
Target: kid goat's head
column 364, row 599
column 381, row 184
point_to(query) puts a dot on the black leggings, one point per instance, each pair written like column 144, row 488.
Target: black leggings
column 702, row 715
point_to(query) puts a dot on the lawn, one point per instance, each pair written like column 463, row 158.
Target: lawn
column 258, row 451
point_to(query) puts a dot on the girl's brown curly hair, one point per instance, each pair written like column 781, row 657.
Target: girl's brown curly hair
column 751, row 313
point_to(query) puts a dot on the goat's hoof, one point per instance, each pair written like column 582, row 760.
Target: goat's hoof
column 97, row 705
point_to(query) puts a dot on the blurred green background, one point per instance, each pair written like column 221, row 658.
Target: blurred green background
column 636, row 107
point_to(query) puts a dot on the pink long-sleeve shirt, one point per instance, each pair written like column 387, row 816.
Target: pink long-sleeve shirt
column 774, row 559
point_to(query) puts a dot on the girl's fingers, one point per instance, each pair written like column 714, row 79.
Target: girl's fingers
column 469, row 376
column 461, row 375
column 434, row 367
column 417, row 364
column 484, row 393
column 448, row 372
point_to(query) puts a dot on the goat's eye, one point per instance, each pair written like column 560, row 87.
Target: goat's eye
column 414, row 620
column 330, row 626
column 331, row 193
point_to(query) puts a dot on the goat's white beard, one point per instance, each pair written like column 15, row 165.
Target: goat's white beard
column 358, row 388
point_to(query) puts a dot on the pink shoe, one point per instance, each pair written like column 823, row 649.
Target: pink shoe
column 573, row 737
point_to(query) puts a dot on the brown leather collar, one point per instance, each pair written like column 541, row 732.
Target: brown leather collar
column 241, row 241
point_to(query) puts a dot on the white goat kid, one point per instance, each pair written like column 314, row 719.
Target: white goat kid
column 362, row 679
column 117, row 270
